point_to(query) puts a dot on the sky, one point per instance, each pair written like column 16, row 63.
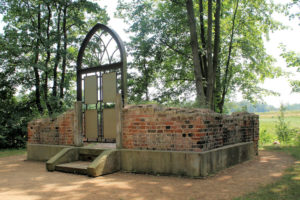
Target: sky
column 289, row 37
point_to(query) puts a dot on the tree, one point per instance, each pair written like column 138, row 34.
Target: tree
column 284, row 133
column 142, row 47
column 292, row 58
column 211, row 47
column 14, row 113
column 41, row 40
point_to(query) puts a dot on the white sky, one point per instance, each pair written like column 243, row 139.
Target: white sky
column 289, row 37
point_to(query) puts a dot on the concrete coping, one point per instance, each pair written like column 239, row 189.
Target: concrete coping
column 192, row 152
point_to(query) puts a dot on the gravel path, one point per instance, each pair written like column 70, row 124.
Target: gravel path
column 21, row 179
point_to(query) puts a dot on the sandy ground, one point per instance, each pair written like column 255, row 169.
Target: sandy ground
column 21, row 179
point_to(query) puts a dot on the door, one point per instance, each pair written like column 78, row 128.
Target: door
column 100, row 110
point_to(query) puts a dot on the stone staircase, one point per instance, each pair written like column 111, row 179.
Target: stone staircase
column 85, row 161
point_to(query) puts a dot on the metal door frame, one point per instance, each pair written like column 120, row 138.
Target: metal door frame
column 100, row 69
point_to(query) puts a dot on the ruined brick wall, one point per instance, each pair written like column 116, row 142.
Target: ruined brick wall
column 58, row 131
column 153, row 127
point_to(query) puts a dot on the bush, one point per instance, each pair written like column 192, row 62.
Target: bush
column 297, row 139
column 14, row 116
column 284, row 133
column 266, row 137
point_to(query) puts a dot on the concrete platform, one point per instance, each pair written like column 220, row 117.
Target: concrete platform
column 183, row 163
column 77, row 167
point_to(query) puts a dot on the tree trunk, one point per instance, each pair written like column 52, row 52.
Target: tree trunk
column 64, row 62
column 227, row 76
column 48, row 46
column 36, row 60
column 210, row 77
column 58, row 54
column 195, row 51
column 216, row 47
column 147, row 77
column 203, row 40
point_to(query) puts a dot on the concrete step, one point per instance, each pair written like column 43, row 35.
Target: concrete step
column 77, row 167
column 88, row 154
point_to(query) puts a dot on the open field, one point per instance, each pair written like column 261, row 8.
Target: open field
column 268, row 121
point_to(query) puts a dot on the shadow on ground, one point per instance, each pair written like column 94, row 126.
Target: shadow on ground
column 21, row 179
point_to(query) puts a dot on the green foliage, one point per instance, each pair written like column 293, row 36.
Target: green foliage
column 284, row 133
column 293, row 60
column 14, row 114
column 39, row 47
column 160, row 47
column 40, row 43
column 266, row 137
column 297, row 139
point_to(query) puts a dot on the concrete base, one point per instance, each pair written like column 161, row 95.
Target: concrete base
column 191, row 164
column 43, row 152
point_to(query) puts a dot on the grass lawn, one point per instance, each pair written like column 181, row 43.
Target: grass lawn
column 11, row 152
column 288, row 187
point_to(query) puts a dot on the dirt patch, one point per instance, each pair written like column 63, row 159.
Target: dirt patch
column 21, row 179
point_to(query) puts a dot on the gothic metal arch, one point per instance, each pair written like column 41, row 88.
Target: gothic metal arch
column 122, row 64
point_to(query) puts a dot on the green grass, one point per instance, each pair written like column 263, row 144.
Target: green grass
column 11, row 152
column 288, row 187
column 268, row 121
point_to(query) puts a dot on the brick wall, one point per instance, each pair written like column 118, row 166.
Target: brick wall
column 58, row 131
column 153, row 127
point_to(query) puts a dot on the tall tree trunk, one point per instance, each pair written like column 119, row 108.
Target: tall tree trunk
column 195, row 51
column 147, row 77
column 218, row 89
column 58, row 53
column 64, row 62
column 48, row 46
column 216, row 47
column 36, row 60
column 203, row 40
column 210, row 77
column 227, row 75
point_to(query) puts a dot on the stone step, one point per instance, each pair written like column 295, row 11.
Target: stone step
column 77, row 167
column 87, row 154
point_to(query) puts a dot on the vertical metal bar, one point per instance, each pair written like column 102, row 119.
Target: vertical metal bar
column 101, row 107
column 79, row 87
